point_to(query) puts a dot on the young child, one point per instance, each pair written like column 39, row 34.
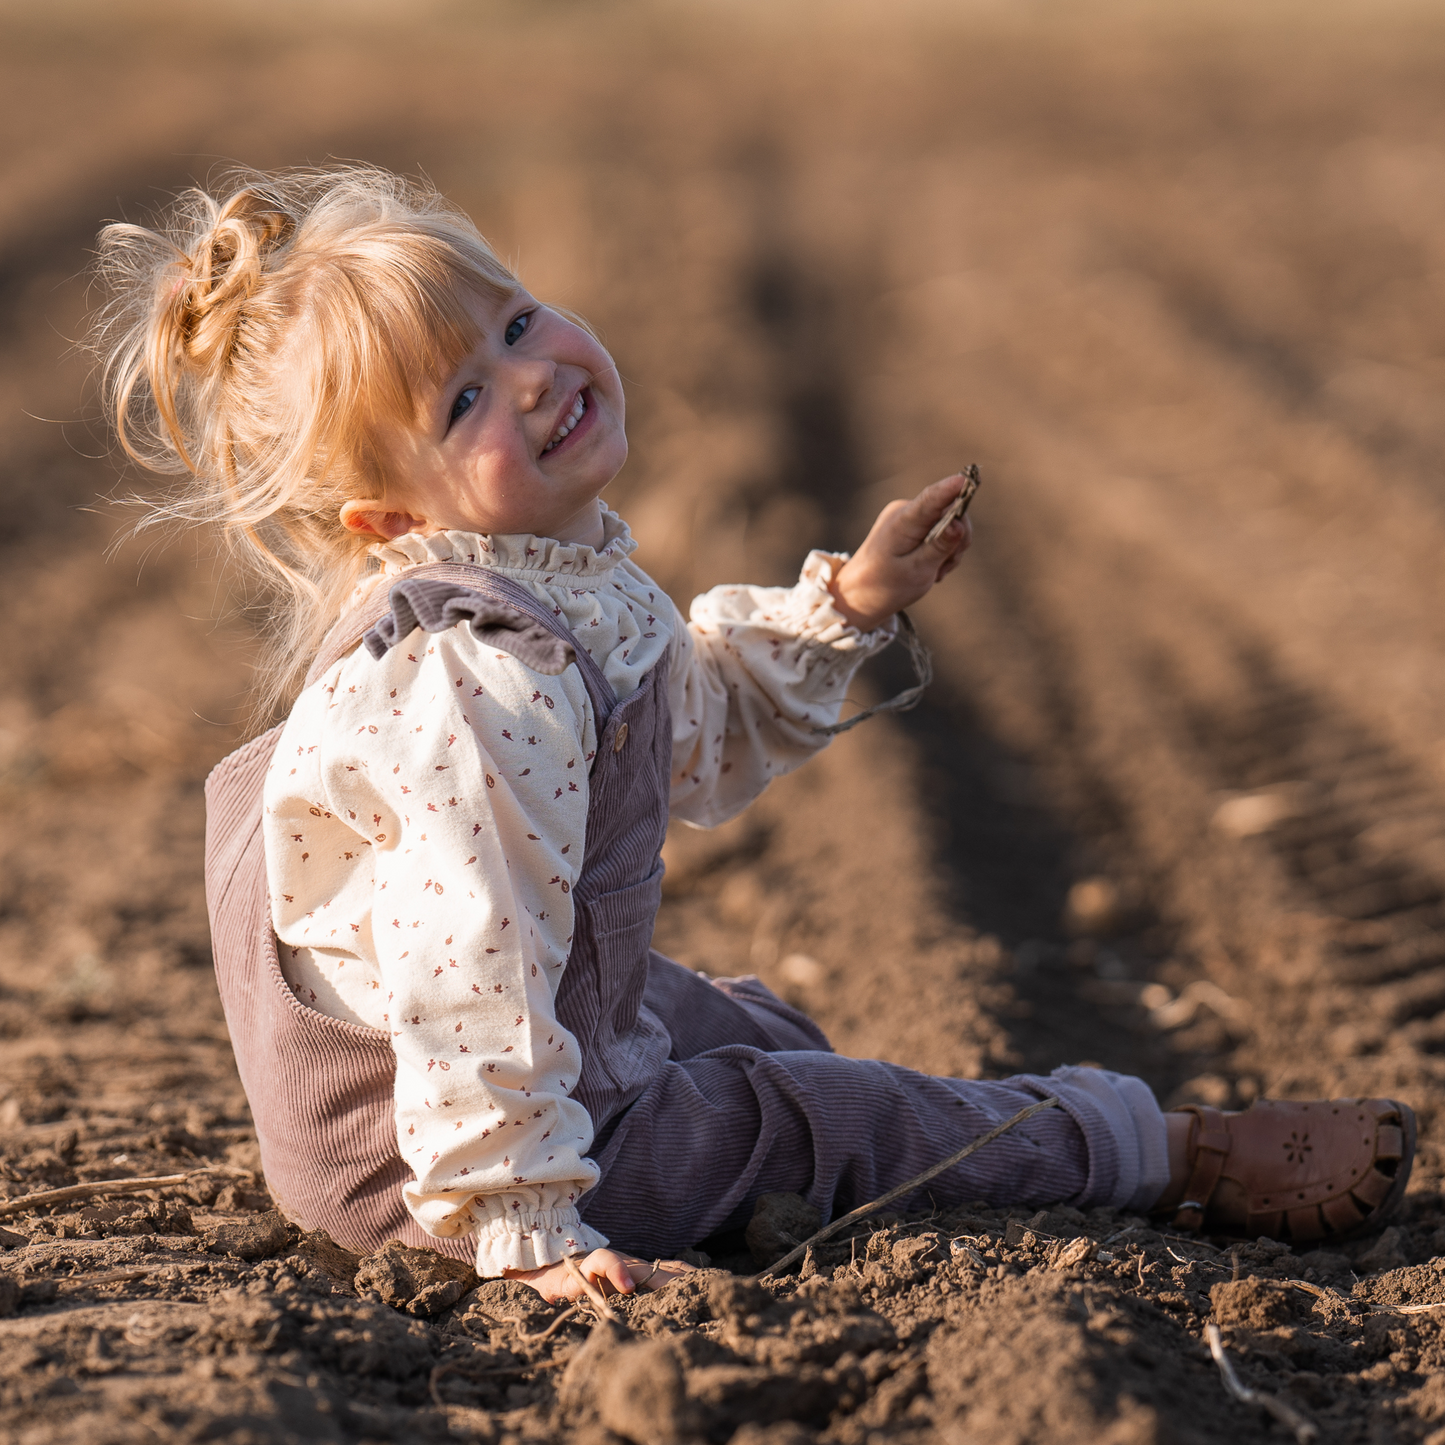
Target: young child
column 433, row 887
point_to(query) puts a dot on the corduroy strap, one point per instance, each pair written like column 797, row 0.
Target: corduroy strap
column 437, row 595
column 437, row 606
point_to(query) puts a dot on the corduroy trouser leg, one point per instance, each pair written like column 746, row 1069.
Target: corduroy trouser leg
column 711, row 1132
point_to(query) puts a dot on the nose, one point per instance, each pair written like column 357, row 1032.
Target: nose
column 533, row 379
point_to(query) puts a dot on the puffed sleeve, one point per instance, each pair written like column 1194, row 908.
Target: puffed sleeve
column 753, row 673
column 465, row 775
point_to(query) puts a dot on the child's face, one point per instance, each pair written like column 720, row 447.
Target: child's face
column 522, row 437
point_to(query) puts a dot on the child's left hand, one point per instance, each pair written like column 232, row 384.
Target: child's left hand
column 611, row 1272
column 895, row 566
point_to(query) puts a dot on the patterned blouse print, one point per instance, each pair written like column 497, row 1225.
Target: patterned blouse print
column 425, row 824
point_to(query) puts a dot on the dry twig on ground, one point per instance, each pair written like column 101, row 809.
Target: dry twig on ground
column 89, row 1190
column 1304, row 1430
column 524, row 1334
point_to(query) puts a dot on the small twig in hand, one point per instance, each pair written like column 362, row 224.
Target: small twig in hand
column 88, row 1191
column 908, row 1186
column 599, row 1300
column 1304, row 1430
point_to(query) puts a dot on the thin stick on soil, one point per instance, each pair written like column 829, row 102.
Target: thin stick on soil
column 599, row 1300
column 531, row 1339
column 907, row 1187
column 1304, row 1430
column 88, row 1191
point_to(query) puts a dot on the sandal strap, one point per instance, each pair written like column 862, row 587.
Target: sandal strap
column 1210, row 1140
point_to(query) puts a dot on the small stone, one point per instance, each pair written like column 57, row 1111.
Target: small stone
column 1074, row 1252
column 1246, row 814
column 1094, row 908
column 927, row 1248
column 11, row 1240
column 803, row 970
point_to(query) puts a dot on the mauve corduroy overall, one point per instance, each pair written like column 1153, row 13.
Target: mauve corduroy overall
column 703, row 1095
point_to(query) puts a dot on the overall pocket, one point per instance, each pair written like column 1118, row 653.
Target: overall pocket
column 619, row 929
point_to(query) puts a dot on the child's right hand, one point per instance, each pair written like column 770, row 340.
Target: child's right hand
column 611, row 1272
column 896, row 565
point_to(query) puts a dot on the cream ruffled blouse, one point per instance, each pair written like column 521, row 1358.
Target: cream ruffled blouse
column 424, row 812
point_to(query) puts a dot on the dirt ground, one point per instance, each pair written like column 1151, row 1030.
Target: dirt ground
column 1174, row 277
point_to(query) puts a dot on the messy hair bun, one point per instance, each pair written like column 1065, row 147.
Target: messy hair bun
column 256, row 339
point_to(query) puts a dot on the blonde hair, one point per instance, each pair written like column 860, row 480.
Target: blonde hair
column 256, row 342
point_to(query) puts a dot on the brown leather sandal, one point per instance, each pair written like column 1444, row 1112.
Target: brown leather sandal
column 1321, row 1170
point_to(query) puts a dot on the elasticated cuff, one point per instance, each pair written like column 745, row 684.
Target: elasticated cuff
column 812, row 614
column 1134, row 1130
column 532, row 1241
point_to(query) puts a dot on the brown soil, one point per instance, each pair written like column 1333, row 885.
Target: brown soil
column 1176, row 804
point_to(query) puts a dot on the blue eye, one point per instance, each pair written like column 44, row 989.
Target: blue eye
column 464, row 402
column 514, row 331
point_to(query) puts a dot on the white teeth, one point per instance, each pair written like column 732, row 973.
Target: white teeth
column 579, row 407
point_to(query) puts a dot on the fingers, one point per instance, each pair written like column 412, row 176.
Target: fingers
column 656, row 1273
column 959, row 538
column 907, row 524
column 609, row 1270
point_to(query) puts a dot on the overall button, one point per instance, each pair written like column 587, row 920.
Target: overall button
column 619, row 740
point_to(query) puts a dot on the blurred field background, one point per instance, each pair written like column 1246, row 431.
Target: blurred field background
column 1172, row 274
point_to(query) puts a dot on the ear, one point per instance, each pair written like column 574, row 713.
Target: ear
column 370, row 518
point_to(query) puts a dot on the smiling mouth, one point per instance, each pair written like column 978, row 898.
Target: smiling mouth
column 579, row 410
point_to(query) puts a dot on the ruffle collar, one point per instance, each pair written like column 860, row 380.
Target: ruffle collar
column 511, row 553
